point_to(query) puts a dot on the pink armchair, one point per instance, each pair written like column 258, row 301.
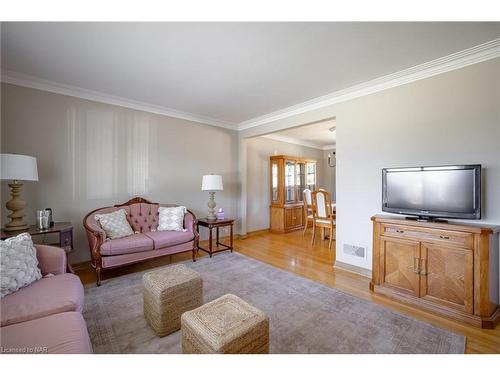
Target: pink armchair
column 47, row 313
column 51, row 259
column 146, row 243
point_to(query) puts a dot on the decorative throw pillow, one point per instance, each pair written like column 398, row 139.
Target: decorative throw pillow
column 18, row 264
column 115, row 224
column 172, row 218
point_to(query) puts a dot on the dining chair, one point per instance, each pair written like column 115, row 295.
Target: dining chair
column 308, row 209
column 322, row 214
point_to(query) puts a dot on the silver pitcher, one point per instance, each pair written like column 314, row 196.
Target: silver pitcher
column 43, row 219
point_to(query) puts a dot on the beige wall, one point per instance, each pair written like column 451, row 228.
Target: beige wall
column 259, row 150
column 453, row 118
column 92, row 155
column 447, row 119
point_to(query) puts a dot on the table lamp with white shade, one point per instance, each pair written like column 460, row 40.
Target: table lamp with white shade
column 211, row 183
column 17, row 168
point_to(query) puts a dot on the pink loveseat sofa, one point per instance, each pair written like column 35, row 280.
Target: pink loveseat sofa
column 46, row 316
column 146, row 243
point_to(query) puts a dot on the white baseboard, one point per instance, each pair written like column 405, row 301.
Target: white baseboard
column 355, row 269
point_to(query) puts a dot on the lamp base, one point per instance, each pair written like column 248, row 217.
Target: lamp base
column 16, row 205
column 211, row 206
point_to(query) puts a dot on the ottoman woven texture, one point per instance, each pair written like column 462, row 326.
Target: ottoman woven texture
column 168, row 292
column 225, row 325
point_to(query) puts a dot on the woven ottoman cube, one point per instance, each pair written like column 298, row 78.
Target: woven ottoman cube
column 226, row 325
column 168, row 293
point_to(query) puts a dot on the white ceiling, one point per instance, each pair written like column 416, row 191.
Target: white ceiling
column 317, row 135
column 227, row 72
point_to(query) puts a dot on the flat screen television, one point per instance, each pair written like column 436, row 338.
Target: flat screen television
column 452, row 191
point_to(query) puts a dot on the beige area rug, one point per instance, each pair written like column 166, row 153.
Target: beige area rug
column 305, row 317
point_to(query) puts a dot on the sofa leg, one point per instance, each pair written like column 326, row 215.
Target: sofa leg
column 98, row 272
column 194, row 255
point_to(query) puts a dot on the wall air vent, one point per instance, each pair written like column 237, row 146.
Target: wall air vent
column 353, row 250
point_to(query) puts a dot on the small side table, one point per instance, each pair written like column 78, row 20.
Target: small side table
column 65, row 231
column 211, row 224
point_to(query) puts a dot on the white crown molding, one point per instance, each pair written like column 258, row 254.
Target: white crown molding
column 329, row 147
column 474, row 55
column 78, row 92
column 294, row 141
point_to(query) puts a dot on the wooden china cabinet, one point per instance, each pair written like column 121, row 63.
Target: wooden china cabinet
column 289, row 177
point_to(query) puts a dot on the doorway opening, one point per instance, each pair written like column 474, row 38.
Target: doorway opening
column 291, row 189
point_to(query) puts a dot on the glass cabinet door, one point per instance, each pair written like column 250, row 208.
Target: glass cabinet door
column 274, row 181
column 311, row 176
column 300, row 180
column 289, row 180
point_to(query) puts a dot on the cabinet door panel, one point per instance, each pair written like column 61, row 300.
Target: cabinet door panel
column 300, row 180
column 290, row 181
column 298, row 216
column 275, row 187
column 311, row 175
column 446, row 276
column 293, row 217
column 399, row 263
column 289, row 222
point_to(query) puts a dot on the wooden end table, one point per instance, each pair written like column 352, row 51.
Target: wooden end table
column 65, row 231
column 211, row 224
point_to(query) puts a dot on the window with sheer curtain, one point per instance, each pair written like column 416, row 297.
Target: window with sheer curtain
column 138, row 139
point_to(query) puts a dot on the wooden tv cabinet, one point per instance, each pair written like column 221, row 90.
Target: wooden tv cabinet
column 448, row 269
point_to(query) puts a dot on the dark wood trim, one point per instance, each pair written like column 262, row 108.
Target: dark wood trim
column 58, row 227
column 133, row 201
column 95, row 255
column 211, row 224
column 65, row 235
column 492, row 321
column 215, row 223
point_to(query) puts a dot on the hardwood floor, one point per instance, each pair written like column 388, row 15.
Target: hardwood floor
column 293, row 252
